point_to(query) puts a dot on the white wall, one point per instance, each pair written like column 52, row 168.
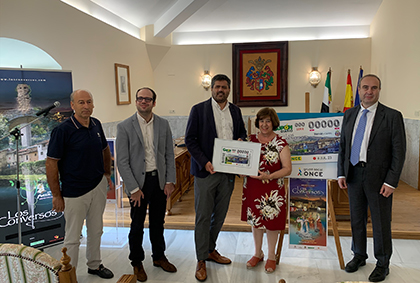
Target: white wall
column 79, row 43
column 396, row 59
column 89, row 48
column 395, row 33
column 178, row 74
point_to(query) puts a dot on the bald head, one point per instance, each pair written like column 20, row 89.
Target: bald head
column 82, row 105
column 79, row 91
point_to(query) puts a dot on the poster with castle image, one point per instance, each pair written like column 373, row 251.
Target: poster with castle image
column 23, row 93
column 308, row 220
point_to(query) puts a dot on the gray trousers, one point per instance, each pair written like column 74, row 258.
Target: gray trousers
column 212, row 196
column 89, row 206
column 361, row 195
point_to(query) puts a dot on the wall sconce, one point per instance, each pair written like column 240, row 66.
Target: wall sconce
column 206, row 80
column 314, row 77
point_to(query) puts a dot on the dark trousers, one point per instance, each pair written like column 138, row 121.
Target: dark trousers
column 364, row 193
column 212, row 196
column 156, row 199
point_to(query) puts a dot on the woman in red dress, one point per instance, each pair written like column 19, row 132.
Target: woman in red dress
column 264, row 196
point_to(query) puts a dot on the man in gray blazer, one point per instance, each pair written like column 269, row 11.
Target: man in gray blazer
column 370, row 161
column 145, row 160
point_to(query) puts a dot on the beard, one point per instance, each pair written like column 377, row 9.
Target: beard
column 220, row 99
column 144, row 112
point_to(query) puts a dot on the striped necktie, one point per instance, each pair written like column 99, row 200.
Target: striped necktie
column 358, row 138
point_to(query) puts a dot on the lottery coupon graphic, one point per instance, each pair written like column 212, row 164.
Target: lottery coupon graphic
column 236, row 157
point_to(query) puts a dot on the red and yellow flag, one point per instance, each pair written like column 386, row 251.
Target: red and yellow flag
column 348, row 101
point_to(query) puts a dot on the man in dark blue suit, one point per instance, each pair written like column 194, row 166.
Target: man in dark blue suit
column 214, row 118
column 370, row 161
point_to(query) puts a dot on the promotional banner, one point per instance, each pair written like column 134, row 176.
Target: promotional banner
column 308, row 222
column 23, row 95
column 314, row 143
column 111, row 143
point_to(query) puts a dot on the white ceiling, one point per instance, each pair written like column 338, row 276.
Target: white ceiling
column 228, row 21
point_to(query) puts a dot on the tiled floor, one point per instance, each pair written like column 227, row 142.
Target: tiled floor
column 295, row 265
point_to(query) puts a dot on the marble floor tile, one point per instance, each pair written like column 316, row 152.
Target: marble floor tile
column 296, row 266
column 407, row 251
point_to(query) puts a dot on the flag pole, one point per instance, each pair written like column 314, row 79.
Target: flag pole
column 307, row 102
column 357, row 97
column 326, row 101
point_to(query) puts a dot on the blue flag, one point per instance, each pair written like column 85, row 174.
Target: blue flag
column 357, row 99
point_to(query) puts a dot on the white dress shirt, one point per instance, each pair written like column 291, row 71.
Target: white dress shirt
column 223, row 120
column 149, row 148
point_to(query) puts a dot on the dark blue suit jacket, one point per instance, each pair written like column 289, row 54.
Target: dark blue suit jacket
column 386, row 148
column 201, row 132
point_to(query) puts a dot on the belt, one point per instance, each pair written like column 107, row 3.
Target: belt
column 152, row 173
column 360, row 164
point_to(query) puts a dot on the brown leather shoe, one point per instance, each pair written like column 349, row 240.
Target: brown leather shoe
column 140, row 273
column 201, row 272
column 216, row 257
column 165, row 264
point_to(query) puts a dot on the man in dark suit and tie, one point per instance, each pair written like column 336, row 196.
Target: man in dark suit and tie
column 213, row 118
column 370, row 161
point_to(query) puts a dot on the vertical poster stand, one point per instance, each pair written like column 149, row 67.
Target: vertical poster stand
column 315, row 160
column 332, row 222
column 281, row 238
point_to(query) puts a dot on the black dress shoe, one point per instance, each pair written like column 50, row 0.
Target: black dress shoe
column 378, row 274
column 102, row 272
column 353, row 265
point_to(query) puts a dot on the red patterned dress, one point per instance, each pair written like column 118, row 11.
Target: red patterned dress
column 264, row 202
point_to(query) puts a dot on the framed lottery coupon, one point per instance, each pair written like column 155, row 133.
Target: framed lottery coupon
column 236, row 157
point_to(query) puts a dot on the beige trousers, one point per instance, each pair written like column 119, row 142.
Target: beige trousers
column 89, row 206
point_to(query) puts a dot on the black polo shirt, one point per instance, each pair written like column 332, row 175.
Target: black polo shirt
column 80, row 154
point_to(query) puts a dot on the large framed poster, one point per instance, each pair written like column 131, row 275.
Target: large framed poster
column 260, row 72
column 314, row 140
column 22, row 94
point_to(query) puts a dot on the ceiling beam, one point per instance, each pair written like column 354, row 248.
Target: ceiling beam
column 176, row 15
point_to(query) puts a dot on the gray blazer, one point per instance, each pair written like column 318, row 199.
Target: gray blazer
column 131, row 160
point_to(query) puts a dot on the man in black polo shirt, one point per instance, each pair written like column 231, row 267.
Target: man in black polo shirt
column 79, row 156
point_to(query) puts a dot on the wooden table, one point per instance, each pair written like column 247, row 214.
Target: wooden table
column 183, row 177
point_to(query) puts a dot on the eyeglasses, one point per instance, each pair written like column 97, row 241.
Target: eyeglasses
column 147, row 99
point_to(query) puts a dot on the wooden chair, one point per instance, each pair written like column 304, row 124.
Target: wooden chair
column 19, row 263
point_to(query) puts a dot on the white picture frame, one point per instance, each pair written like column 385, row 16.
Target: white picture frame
column 236, row 157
